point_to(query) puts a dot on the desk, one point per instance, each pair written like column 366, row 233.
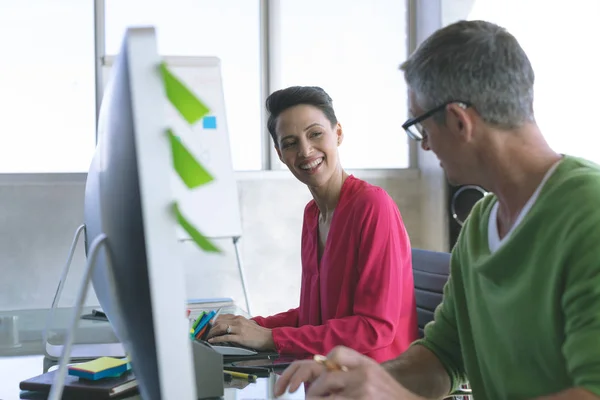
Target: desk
column 26, row 361
column 16, row 369
column 31, row 325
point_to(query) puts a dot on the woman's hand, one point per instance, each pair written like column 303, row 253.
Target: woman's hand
column 237, row 329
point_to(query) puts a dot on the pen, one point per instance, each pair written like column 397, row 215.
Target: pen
column 217, row 314
column 240, row 375
column 330, row 365
column 205, row 318
column 207, row 329
column 197, row 321
column 210, row 324
column 258, row 371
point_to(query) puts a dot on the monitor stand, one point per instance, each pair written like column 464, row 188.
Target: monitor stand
column 208, row 366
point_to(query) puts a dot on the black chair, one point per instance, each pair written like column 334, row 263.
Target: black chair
column 430, row 273
column 431, row 270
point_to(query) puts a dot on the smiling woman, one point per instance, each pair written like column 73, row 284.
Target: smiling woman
column 309, row 144
column 357, row 283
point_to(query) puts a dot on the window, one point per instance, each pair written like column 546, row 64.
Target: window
column 47, row 94
column 561, row 49
column 352, row 49
column 229, row 30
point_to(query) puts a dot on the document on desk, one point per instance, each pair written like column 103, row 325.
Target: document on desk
column 81, row 388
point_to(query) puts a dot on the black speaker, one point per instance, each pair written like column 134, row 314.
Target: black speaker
column 461, row 200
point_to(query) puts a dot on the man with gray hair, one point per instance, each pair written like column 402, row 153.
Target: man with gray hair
column 520, row 318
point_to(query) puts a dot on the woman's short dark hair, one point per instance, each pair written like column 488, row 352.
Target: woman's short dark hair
column 281, row 100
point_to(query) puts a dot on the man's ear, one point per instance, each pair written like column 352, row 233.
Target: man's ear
column 458, row 119
column 340, row 133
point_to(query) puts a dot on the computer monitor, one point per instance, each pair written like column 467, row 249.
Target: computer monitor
column 138, row 278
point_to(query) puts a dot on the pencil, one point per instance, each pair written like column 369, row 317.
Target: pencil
column 241, row 375
column 330, row 365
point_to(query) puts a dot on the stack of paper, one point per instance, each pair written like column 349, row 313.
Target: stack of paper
column 196, row 306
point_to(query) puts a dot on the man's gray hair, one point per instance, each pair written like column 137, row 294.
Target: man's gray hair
column 477, row 62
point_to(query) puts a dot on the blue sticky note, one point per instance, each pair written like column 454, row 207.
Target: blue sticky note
column 209, row 122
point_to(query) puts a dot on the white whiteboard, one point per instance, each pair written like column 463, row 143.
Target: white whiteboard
column 213, row 208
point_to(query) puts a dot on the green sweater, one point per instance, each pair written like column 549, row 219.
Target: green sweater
column 525, row 321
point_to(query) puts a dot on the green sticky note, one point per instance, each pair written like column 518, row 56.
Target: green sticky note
column 188, row 105
column 192, row 173
column 196, row 236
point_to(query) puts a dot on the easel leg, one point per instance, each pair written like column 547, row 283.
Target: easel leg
column 61, row 284
column 242, row 276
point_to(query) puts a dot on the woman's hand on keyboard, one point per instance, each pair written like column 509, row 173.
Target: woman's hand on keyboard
column 237, row 329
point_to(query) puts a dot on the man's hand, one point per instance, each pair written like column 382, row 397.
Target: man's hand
column 296, row 374
column 237, row 329
column 364, row 379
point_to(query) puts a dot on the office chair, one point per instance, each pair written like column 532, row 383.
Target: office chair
column 430, row 273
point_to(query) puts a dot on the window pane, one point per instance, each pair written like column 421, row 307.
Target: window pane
column 225, row 29
column 561, row 49
column 352, row 49
column 47, row 94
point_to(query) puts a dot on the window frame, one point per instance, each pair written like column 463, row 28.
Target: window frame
column 269, row 11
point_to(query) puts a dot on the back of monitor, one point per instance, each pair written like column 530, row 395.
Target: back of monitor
column 139, row 280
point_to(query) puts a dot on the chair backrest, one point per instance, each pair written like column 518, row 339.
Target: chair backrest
column 430, row 273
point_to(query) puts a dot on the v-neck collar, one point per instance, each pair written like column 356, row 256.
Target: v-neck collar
column 315, row 228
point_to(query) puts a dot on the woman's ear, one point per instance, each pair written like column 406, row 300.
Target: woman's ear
column 340, row 133
column 278, row 152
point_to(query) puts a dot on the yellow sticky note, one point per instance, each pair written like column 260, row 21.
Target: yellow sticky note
column 196, row 236
column 188, row 105
column 191, row 172
column 100, row 364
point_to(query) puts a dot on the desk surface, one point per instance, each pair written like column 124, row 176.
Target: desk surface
column 26, row 361
column 31, row 324
column 13, row 370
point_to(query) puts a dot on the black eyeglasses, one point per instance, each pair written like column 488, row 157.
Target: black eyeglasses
column 413, row 126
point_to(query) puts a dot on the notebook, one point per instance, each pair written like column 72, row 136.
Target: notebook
column 75, row 387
